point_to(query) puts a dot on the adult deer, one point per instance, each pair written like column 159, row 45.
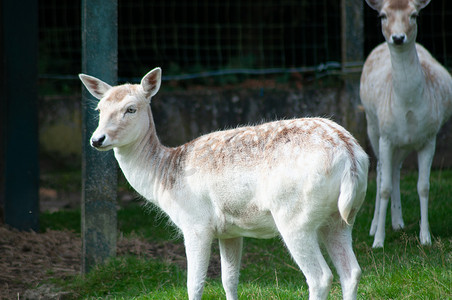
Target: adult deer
column 305, row 179
column 407, row 96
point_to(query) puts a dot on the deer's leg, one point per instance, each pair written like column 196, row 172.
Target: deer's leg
column 337, row 238
column 372, row 132
column 197, row 248
column 425, row 158
column 386, row 153
column 374, row 225
column 396, row 204
column 302, row 242
column 231, row 254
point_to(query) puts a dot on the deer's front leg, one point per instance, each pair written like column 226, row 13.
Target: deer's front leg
column 197, row 248
column 374, row 225
column 386, row 153
column 425, row 158
column 396, row 204
column 374, row 137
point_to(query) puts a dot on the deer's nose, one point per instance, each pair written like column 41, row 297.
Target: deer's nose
column 398, row 39
column 97, row 141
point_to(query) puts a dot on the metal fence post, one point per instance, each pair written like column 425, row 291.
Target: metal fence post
column 99, row 169
column 20, row 113
column 352, row 52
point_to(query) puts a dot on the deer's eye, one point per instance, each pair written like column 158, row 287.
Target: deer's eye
column 131, row 110
column 414, row 16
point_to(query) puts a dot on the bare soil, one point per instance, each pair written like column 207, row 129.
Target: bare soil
column 29, row 260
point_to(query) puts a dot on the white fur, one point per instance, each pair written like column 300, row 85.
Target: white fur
column 407, row 96
column 304, row 179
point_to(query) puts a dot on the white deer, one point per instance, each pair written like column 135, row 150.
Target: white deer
column 304, row 178
column 407, row 96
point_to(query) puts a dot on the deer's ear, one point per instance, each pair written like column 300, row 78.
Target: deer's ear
column 95, row 86
column 151, row 82
column 422, row 3
column 375, row 4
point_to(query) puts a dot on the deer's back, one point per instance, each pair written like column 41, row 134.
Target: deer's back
column 270, row 145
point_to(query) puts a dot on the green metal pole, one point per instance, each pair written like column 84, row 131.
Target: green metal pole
column 352, row 41
column 20, row 104
column 99, row 169
column 352, row 34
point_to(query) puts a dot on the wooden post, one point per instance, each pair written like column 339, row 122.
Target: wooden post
column 20, row 113
column 352, row 41
column 99, row 169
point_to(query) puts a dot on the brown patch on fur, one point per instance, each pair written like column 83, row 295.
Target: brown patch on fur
column 374, row 59
column 153, row 81
column 328, row 138
column 430, row 76
column 312, row 128
column 389, row 77
column 348, row 141
column 284, row 135
column 175, row 163
column 117, row 94
column 277, row 137
column 242, row 213
column 398, row 4
column 93, row 84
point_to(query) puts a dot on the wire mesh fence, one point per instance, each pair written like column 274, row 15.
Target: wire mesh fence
column 212, row 37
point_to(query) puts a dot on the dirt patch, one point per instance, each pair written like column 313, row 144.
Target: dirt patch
column 29, row 259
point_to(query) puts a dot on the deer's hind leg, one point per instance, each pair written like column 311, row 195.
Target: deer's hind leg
column 337, row 238
column 302, row 242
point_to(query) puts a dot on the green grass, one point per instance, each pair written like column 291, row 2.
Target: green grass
column 403, row 269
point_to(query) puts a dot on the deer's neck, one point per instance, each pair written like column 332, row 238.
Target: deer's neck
column 407, row 75
column 144, row 164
